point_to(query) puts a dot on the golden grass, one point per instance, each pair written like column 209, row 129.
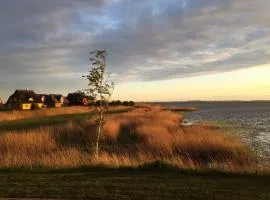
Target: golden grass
column 17, row 114
column 135, row 138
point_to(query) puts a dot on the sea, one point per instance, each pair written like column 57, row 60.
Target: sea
column 248, row 120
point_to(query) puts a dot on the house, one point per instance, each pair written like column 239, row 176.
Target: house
column 54, row 100
column 28, row 99
column 24, row 100
column 39, row 101
column 78, row 98
column 1, row 104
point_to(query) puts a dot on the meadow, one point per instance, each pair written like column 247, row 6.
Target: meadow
column 49, row 112
column 144, row 145
column 131, row 139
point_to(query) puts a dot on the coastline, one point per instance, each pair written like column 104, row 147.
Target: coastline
column 202, row 175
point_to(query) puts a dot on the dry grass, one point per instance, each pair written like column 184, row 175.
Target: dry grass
column 141, row 136
column 16, row 115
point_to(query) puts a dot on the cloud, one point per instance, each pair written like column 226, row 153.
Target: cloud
column 146, row 40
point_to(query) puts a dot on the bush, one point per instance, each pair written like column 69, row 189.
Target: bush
column 118, row 103
column 128, row 103
column 125, row 103
column 131, row 103
column 97, row 103
column 112, row 103
column 115, row 103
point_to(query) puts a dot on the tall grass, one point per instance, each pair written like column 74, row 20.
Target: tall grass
column 17, row 114
column 141, row 136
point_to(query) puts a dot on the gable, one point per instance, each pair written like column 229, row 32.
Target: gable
column 22, row 96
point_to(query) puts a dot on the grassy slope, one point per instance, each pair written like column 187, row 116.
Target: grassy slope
column 48, row 120
column 131, row 184
column 122, row 184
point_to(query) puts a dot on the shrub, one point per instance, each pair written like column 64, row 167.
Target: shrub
column 115, row 103
column 131, row 103
column 126, row 103
column 118, row 103
column 97, row 103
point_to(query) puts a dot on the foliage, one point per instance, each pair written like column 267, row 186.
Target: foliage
column 126, row 103
column 120, row 103
column 78, row 97
column 99, row 88
column 131, row 103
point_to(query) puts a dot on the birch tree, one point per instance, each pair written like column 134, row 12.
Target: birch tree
column 100, row 89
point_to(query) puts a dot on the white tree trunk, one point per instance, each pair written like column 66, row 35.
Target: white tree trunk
column 99, row 133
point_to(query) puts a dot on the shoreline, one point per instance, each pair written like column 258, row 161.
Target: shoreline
column 118, row 176
column 194, row 133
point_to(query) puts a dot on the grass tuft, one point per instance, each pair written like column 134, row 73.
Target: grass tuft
column 146, row 137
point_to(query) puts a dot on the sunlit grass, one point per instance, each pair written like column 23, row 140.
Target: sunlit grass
column 133, row 139
column 15, row 115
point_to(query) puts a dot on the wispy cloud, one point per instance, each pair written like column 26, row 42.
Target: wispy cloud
column 146, row 40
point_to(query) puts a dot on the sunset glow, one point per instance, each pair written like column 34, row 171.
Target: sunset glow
column 157, row 50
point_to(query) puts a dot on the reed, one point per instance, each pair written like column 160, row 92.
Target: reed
column 136, row 138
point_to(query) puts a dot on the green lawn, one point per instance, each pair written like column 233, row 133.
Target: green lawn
column 50, row 120
column 131, row 184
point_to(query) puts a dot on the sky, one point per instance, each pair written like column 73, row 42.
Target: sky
column 158, row 50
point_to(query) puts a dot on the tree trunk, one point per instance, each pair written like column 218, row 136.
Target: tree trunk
column 99, row 133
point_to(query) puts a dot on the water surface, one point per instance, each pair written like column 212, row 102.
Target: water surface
column 249, row 120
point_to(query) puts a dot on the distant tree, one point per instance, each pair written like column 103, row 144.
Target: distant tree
column 125, row 103
column 76, row 98
column 99, row 89
column 131, row 103
column 112, row 103
column 118, row 103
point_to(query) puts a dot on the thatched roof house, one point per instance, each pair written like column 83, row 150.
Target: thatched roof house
column 1, row 104
column 21, row 99
column 28, row 99
column 54, row 100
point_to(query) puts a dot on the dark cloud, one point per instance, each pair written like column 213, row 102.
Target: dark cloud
column 146, row 40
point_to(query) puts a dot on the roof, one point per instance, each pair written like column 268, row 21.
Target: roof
column 1, row 102
column 56, row 98
column 38, row 98
column 24, row 95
